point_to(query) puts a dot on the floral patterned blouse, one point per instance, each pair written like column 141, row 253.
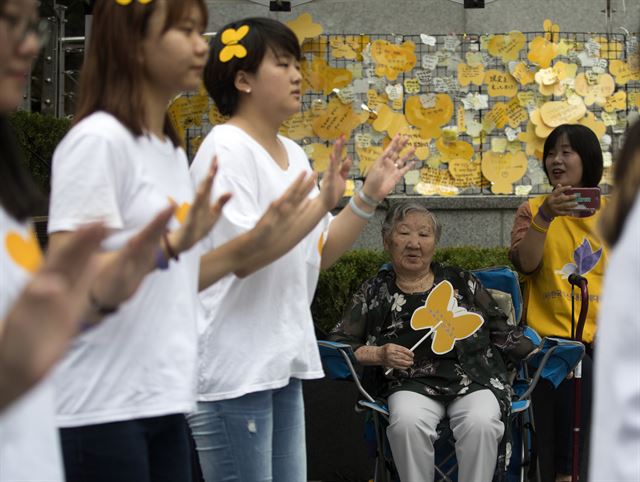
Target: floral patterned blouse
column 379, row 313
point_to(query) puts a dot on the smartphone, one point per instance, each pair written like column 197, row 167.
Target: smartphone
column 588, row 200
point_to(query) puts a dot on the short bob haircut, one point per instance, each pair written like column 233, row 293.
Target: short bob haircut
column 586, row 144
column 112, row 75
column 399, row 211
column 264, row 34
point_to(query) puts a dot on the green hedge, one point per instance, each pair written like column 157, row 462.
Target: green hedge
column 38, row 135
column 337, row 284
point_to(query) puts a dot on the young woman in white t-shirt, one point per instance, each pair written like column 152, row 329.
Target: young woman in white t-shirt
column 123, row 387
column 257, row 340
column 42, row 299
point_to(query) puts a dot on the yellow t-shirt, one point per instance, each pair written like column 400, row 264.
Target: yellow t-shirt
column 572, row 245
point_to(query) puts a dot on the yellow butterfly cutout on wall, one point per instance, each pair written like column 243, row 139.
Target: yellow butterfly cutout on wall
column 502, row 170
column 429, row 119
column 507, row 47
column 25, row 252
column 391, row 59
column 551, row 31
column 230, row 38
column 597, row 90
column 390, row 121
column 304, row 28
column 442, row 316
column 337, row 120
column 623, row 72
column 348, row 47
column 617, row 101
column 542, row 52
column 320, row 76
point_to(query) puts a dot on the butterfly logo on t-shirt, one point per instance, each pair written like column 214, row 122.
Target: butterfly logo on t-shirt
column 182, row 210
column 24, row 251
column 585, row 259
column 445, row 319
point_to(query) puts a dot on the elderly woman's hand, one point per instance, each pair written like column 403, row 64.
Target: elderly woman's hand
column 395, row 356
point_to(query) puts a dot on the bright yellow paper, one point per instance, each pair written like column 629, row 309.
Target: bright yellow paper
column 391, row 59
column 429, row 120
column 506, row 47
column 502, row 170
column 304, row 27
column 500, row 83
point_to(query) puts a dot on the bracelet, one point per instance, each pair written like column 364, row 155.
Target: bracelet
column 162, row 262
column 537, row 227
column 369, row 201
column 167, row 246
column 100, row 308
column 359, row 212
column 544, row 216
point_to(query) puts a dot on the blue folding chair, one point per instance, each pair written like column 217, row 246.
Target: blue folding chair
column 555, row 360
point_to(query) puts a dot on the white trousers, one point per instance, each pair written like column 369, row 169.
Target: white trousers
column 475, row 423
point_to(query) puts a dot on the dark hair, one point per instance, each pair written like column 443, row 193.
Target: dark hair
column 400, row 211
column 264, row 34
column 19, row 195
column 584, row 141
column 627, row 185
column 111, row 78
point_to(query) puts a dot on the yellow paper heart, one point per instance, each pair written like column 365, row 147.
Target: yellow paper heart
column 445, row 318
column 25, row 252
column 556, row 113
column 502, row 170
column 617, row 101
column 429, row 120
column 468, row 74
column 500, row 83
column 319, row 76
column 454, row 150
column 595, row 93
column 623, row 72
column 389, row 121
column 507, row 47
column 339, row 119
column 466, row 172
column 304, row 27
column 392, row 60
column 542, row 52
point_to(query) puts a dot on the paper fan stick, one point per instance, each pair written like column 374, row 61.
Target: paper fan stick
column 419, row 342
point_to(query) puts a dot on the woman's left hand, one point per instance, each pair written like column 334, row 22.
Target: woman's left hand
column 388, row 169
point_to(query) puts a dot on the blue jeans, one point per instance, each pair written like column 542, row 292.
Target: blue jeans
column 254, row 438
column 152, row 449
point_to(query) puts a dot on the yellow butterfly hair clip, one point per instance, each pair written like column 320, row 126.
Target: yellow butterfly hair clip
column 127, row 2
column 232, row 48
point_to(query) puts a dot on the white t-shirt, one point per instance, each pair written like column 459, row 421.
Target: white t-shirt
column 141, row 361
column 257, row 332
column 29, row 444
column 615, row 437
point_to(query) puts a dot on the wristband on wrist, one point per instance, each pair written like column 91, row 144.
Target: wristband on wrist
column 167, row 246
column 537, row 227
column 162, row 262
column 369, row 201
column 359, row 212
column 99, row 308
column 545, row 216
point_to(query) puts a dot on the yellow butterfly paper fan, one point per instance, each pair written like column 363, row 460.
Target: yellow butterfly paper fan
column 442, row 316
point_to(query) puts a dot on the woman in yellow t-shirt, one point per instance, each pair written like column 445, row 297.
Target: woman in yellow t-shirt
column 549, row 243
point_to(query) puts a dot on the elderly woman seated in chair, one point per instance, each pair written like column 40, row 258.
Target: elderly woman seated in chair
column 458, row 370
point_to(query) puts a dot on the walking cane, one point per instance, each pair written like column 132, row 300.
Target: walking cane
column 581, row 282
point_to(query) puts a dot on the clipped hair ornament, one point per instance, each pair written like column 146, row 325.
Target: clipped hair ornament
column 127, row 2
column 230, row 38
